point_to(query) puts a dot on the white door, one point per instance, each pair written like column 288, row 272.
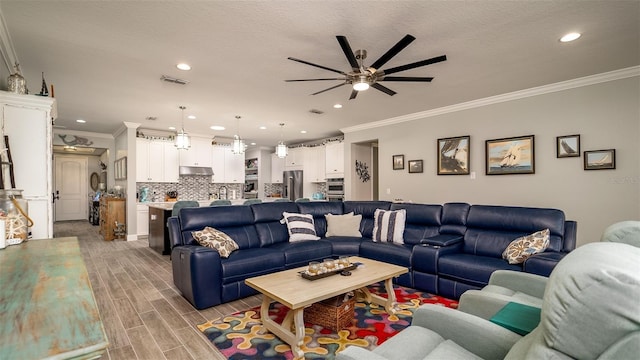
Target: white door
column 70, row 188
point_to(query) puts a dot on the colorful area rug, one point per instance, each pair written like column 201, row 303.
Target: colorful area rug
column 237, row 335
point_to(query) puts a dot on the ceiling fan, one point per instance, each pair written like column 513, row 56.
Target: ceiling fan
column 361, row 77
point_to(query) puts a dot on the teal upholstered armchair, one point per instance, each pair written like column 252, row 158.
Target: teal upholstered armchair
column 589, row 311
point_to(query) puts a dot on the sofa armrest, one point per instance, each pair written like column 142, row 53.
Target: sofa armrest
column 530, row 284
column 570, row 235
column 480, row 336
column 442, row 240
column 543, row 263
column 197, row 273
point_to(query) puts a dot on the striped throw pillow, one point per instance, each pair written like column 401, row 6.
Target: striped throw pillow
column 388, row 225
column 300, row 226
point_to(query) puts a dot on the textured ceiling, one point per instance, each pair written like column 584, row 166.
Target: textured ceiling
column 105, row 58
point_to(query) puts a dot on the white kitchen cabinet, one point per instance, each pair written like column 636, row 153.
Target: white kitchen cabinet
column 142, row 216
column 218, row 164
column 27, row 121
column 198, row 155
column 171, row 162
column 228, row 168
column 314, row 165
column 334, row 160
column 156, row 161
column 233, row 167
column 295, row 158
column 277, row 168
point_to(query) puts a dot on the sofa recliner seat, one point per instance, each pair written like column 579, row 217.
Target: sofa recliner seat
column 437, row 247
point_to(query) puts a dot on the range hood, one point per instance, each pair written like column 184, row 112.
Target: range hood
column 195, row 170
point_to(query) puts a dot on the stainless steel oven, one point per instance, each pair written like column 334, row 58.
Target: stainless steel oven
column 335, row 189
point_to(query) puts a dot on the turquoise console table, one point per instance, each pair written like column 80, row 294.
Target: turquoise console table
column 47, row 307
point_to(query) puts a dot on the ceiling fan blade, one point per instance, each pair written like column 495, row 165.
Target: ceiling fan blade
column 331, row 88
column 346, row 48
column 403, row 43
column 384, row 89
column 407, row 78
column 316, row 65
column 354, row 93
column 415, row 64
column 316, row 79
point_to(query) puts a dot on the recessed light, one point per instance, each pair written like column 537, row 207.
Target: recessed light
column 191, row 117
column 253, row 144
column 570, row 37
column 183, row 66
column 337, row 106
column 262, row 128
column 81, row 121
column 303, row 131
column 172, row 127
column 217, row 127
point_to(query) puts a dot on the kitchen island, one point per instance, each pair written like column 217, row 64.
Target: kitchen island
column 159, row 212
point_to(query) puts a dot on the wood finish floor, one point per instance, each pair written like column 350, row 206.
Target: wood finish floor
column 144, row 315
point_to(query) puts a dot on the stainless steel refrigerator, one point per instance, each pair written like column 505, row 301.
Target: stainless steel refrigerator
column 292, row 183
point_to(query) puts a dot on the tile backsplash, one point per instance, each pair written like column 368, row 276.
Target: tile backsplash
column 189, row 187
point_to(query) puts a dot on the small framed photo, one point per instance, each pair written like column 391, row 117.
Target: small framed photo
column 415, row 166
column 568, row 146
column 600, row 159
column 510, row 156
column 398, row 162
column 453, row 156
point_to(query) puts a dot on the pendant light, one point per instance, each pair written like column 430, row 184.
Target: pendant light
column 183, row 141
column 281, row 149
column 238, row 144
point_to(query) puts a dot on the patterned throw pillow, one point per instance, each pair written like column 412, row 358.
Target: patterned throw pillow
column 522, row 248
column 300, row 226
column 215, row 239
column 388, row 225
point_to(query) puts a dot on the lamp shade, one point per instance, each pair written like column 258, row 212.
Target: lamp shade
column 281, row 150
column 183, row 141
column 238, row 146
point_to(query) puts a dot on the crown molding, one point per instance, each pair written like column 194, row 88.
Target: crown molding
column 7, row 50
column 82, row 133
column 521, row 94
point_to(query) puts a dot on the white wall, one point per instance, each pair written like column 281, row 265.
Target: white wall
column 606, row 115
column 361, row 190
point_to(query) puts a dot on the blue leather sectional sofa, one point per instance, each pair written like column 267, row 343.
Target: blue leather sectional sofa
column 448, row 248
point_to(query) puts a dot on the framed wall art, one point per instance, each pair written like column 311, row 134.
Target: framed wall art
column 568, row 146
column 453, row 156
column 600, row 159
column 415, row 166
column 510, row 156
column 398, row 162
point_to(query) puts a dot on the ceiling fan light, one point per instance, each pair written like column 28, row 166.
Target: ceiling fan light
column 281, row 150
column 361, row 85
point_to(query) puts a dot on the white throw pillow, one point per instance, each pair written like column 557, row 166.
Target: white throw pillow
column 343, row 225
column 388, row 225
column 300, row 226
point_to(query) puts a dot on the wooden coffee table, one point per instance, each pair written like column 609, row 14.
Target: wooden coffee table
column 290, row 289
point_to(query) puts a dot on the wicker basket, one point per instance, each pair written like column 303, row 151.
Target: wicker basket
column 333, row 313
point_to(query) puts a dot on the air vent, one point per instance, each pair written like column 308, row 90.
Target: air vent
column 173, row 80
column 152, row 118
column 316, row 111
